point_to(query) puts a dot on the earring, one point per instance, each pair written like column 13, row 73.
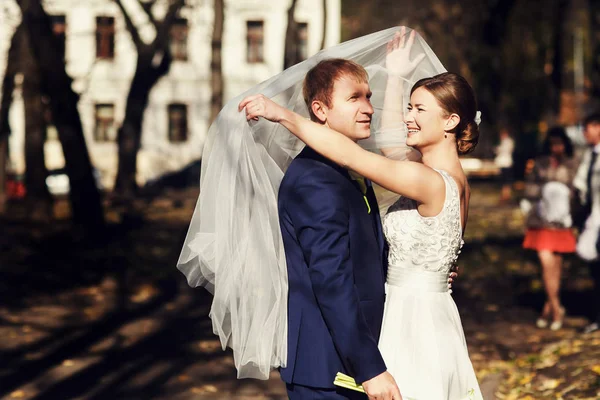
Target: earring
column 446, row 135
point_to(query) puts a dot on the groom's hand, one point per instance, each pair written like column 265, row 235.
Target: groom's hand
column 382, row 387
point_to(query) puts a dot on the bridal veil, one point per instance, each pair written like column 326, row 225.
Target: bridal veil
column 233, row 247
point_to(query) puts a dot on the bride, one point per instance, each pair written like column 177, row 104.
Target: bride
column 422, row 340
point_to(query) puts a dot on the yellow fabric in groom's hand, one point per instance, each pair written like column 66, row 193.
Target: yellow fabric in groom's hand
column 347, row 382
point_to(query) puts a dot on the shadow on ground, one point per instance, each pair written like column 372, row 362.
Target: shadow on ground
column 110, row 320
column 82, row 319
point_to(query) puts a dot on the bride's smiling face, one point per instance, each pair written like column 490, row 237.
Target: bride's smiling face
column 424, row 119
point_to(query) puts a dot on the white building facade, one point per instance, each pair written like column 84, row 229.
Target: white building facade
column 100, row 56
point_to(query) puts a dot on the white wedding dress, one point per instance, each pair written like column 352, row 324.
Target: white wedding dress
column 422, row 339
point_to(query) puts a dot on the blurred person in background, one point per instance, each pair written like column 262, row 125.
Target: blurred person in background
column 548, row 189
column 504, row 161
column 587, row 184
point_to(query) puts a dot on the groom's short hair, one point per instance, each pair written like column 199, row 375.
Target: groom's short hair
column 319, row 81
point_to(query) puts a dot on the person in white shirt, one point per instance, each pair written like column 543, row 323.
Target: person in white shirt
column 587, row 183
column 504, row 161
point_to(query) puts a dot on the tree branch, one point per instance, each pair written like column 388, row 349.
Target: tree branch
column 162, row 30
column 147, row 7
column 135, row 36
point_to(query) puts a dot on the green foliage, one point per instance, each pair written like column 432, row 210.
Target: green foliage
column 518, row 54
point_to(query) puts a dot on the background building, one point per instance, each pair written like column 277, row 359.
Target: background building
column 100, row 56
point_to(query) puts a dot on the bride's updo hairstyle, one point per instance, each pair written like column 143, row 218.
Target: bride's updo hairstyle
column 455, row 96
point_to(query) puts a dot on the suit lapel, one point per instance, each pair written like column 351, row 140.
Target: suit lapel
column 307, row 152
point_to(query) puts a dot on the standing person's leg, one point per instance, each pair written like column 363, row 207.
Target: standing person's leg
column 595, row 300
column 553, row 290
column 595, row 273
column 549, row 273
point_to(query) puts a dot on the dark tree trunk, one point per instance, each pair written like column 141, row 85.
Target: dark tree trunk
column 556, row 77
column 130, row 132
column 153, row 62
column 216, row 100
column 490, row 84
column 291, row 38
column 38, row 198
column 324, row 37
column 8, row 86
column 3, row 162
column 84, row 195
column 595, row 39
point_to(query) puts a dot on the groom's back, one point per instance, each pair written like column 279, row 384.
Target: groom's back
column 335, row 270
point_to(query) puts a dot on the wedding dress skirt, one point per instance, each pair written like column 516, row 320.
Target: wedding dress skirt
column 422, row 340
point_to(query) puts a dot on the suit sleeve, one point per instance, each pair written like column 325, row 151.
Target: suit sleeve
column 321, row 219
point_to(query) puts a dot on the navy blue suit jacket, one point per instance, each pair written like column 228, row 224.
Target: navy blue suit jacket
column 336, row 268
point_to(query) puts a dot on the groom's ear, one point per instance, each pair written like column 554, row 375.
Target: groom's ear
column 319, row 110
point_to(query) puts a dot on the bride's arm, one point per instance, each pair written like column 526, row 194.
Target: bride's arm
column 392, row 116
column 407, row 178
column 398, row 66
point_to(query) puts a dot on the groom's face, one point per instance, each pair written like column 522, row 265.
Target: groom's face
column 351, row 110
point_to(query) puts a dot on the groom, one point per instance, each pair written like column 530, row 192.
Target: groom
column 335, row 252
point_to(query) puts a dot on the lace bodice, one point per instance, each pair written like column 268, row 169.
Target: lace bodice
column 425, row 243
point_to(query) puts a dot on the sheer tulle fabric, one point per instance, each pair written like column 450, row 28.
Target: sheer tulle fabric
column 233, row 247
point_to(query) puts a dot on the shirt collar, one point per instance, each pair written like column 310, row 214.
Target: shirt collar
column 307, row 152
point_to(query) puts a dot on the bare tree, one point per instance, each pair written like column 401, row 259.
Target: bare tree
column 153, row 62
column 85, row 199
column 216, row 101
column 8, row 86
column 291, row 38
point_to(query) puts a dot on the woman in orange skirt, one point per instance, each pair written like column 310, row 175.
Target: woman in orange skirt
column 548, row 187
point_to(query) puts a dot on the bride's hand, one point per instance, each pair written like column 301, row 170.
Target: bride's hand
column 398, row 60
column 260, row 106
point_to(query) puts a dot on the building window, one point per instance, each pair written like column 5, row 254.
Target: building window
column 177, row 123
column 178, row 128
column 178, row 39
column 254, row 41
column 302, row 41
column 105, row 129
column 105, row 38
column 59, row 28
